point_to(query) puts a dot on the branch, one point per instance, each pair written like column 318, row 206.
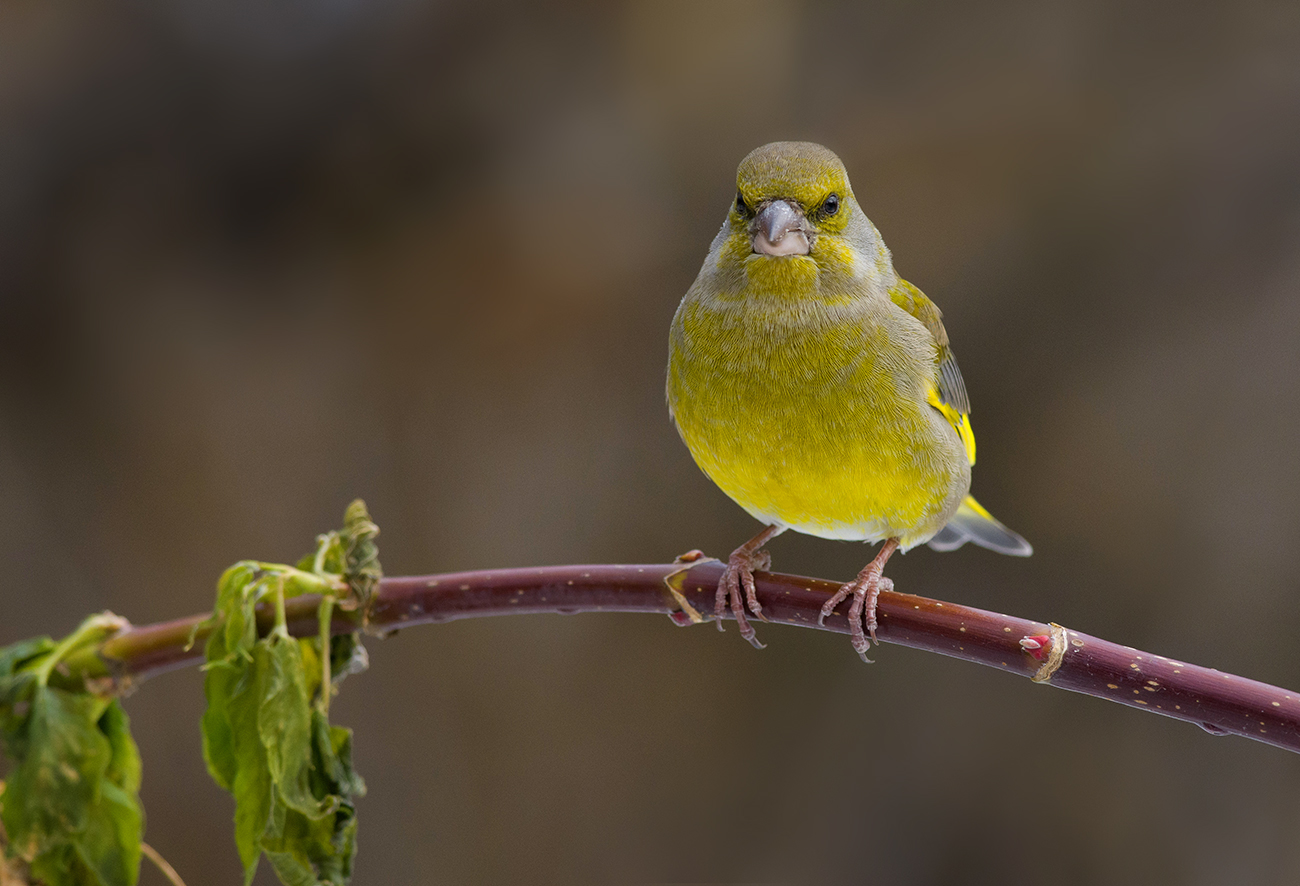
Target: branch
column 1217, row 702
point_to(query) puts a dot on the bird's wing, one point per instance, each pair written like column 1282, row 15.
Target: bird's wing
column 948, row 392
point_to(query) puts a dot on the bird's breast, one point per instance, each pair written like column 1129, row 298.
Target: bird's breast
column 814, row 415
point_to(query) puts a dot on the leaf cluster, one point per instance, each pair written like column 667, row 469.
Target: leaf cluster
column 70, row 806
column 266, row 732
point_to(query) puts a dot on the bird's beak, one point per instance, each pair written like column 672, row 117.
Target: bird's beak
column 779, row 230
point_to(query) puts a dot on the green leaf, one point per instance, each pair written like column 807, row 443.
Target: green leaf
column 14, row 656
column 284, row 722
column 218, row 742
column 231, row 746
column 306, row 851
column 124, row 769
column 226, row 667
column 298, row 845
column 109, row 846
column 17, row 681
column 333, row 744
column 60, row 866
column 251, row 780
column 53, row 784
column 70, row 806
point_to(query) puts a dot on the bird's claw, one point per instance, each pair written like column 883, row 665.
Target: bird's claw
column 738, row 575
column 829, row 606
column 865, row 589
column 882, row 584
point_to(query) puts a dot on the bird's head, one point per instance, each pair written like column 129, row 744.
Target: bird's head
column 795, row 220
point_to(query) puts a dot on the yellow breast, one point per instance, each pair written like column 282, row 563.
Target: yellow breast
column 813, row 414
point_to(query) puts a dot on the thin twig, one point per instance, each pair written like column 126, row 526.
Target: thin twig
column 161, row 864
column 1220, row 703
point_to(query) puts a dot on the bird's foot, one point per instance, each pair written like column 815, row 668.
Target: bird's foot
column 739, row 575
column 865, row 589
column 863, row 612
column 741, row 566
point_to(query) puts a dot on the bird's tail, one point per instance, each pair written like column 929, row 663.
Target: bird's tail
column 973, row 523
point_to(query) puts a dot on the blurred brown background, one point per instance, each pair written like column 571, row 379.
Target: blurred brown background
column 257, row 259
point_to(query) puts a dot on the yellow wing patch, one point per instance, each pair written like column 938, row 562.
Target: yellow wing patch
column 960, row 421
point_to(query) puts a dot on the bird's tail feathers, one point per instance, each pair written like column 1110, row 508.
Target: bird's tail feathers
column 973, row 523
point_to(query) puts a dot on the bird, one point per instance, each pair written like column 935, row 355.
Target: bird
column 818, row 389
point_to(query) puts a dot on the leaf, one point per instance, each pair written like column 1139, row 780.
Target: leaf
column 60, row 866
column 54, row 783
column 297, row 844
column 292, row 846
column 250, row 780
column 109, row 846
column 232, row 748
column 124, row 768
column 218, row 742
column 227, row 651
column 284, row 723
column 334, row 744
column 70, row 806
column 16, row 685
column 361, row 554
column 14, row 656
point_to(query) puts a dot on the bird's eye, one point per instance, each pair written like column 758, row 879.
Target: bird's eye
column 741, row 206
column 830, row 206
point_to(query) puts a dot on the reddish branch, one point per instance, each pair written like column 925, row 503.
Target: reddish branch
column 1218, row 702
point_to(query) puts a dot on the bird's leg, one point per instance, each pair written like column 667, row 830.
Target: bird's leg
column 741, row 565
column 865, row 589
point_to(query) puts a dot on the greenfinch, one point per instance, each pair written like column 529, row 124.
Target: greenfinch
column 817, row 388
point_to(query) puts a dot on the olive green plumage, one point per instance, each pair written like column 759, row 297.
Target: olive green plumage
column 810, row 382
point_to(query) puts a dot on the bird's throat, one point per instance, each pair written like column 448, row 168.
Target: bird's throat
column 783, row 276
